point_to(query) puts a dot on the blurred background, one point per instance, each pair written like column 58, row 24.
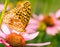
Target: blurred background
column 41, row 7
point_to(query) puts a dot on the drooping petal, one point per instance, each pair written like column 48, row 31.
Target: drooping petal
column 51, row 30
column 27, row 36
column 2, row 34
column 38, row 44
column 5, row 29
column 4, row 42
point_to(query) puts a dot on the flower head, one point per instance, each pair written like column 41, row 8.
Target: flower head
column 52, row 22
column 56, row 26
column 12, row 38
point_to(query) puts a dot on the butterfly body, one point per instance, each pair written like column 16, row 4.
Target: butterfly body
column 18, row 17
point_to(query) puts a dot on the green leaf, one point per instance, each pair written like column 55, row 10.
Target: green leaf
column 2, row 45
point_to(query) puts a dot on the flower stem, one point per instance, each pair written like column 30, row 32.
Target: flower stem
column 2, row 15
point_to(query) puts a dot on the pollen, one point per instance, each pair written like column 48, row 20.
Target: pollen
column 15, row 40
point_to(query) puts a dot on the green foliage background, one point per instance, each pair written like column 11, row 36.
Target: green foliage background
column 40, row 6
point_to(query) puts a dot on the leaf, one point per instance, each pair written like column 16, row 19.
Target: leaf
column 2, row 45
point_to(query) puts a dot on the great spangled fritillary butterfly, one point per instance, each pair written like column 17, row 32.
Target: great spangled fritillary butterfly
column 18, row 17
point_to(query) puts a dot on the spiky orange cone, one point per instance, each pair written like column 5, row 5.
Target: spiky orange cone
column 15, row 40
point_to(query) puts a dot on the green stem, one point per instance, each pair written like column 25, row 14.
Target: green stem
column 2, row 15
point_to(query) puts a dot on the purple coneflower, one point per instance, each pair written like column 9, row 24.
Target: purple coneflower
column 52, row 22
column 12, row 38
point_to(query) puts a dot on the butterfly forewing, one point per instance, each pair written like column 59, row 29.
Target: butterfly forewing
column 18, row 17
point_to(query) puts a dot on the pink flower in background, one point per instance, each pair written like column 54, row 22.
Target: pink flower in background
column 13, row 38
column 2, row 7
column 52, row 23
column 57, row 18
column 56, row 27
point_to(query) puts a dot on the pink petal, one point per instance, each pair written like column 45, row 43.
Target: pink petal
column 32, row 26
column 52, row 14
column 34, row 16
column 2, row 34
column 5, row 29
column 58, row 13
column 0, row 40
column 8, row 46
column 14, row 31
column 33, row 21
column 2, row 7
column 40, row 17
column 51, row 30
column 29, row 36
column 58, row 27
column 57, row 21
column 3, row 41
column 38, row 44
column 30, row 30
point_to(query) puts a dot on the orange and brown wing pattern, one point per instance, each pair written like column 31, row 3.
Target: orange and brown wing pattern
column 18, row 17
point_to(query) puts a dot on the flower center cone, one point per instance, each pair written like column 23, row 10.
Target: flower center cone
column 48, row 21
column 15, row 40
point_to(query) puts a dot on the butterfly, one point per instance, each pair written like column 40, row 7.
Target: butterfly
column 18, row 17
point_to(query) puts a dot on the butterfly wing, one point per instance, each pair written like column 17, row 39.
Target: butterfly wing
column 18, row 17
